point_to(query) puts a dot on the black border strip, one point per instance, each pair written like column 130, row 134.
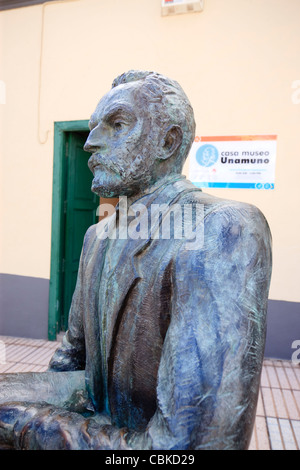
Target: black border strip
column 10, row 5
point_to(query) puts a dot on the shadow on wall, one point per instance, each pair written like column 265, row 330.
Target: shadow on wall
column 283, row 328
column 24, row 306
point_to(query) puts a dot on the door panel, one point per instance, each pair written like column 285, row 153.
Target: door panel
column 80, row 212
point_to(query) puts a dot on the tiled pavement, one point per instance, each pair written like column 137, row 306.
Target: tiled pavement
column 277, row 425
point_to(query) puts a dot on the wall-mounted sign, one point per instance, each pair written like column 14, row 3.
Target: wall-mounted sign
column 174, row 7
column 233, row 162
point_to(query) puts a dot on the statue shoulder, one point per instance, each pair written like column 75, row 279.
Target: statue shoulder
column 225, row 222
column 228, row 212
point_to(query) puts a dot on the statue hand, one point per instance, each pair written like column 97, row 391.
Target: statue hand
column 40, row 426
column 35, row 426
column 14, row 416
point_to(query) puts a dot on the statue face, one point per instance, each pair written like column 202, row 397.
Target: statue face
column 123, row 148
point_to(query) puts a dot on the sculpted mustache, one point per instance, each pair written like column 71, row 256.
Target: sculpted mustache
column 96, row 160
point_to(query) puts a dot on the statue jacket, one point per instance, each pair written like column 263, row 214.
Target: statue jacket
column 171, row 334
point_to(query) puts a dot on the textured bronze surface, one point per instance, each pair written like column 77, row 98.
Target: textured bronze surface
column 170, row 339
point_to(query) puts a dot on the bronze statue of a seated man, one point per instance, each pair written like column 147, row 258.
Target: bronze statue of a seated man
column 166, row 334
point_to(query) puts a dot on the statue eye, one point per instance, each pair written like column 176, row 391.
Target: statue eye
column 118, row 125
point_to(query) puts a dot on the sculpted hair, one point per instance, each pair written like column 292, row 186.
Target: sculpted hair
column 167, row 104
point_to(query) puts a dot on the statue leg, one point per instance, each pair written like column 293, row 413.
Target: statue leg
column 61, row 389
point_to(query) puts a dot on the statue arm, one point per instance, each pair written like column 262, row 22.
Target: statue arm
column 210, row 370
column 209, row 374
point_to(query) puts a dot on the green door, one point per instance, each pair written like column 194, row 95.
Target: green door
column 80, row 212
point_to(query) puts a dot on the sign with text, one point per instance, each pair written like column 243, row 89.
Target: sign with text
column 234, row 162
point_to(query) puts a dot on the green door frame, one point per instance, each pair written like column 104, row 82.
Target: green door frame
column 60, row 130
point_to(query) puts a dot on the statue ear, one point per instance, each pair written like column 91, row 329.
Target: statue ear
column 172, row 142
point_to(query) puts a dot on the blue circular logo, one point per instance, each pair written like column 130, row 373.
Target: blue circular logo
column 267, row 186
column 207, row 155
column 258, row 186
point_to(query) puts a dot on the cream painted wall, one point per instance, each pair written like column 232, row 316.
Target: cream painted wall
column 237, row 61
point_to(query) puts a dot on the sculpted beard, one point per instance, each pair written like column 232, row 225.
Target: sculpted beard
column 111, row 179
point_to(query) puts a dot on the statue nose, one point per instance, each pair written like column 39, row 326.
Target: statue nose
column 89, row 145
column 93, row 142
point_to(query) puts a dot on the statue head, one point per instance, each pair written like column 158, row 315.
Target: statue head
column 140, row 132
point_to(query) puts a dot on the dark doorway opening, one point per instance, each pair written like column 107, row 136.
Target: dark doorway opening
column 74, row 209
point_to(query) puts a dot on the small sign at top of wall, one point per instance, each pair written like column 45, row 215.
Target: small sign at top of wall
column 233, row 162
column 174, row 7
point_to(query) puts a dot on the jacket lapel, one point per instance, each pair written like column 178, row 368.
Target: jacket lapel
column 129, row 269
column 118, row 286
column 94, row 379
